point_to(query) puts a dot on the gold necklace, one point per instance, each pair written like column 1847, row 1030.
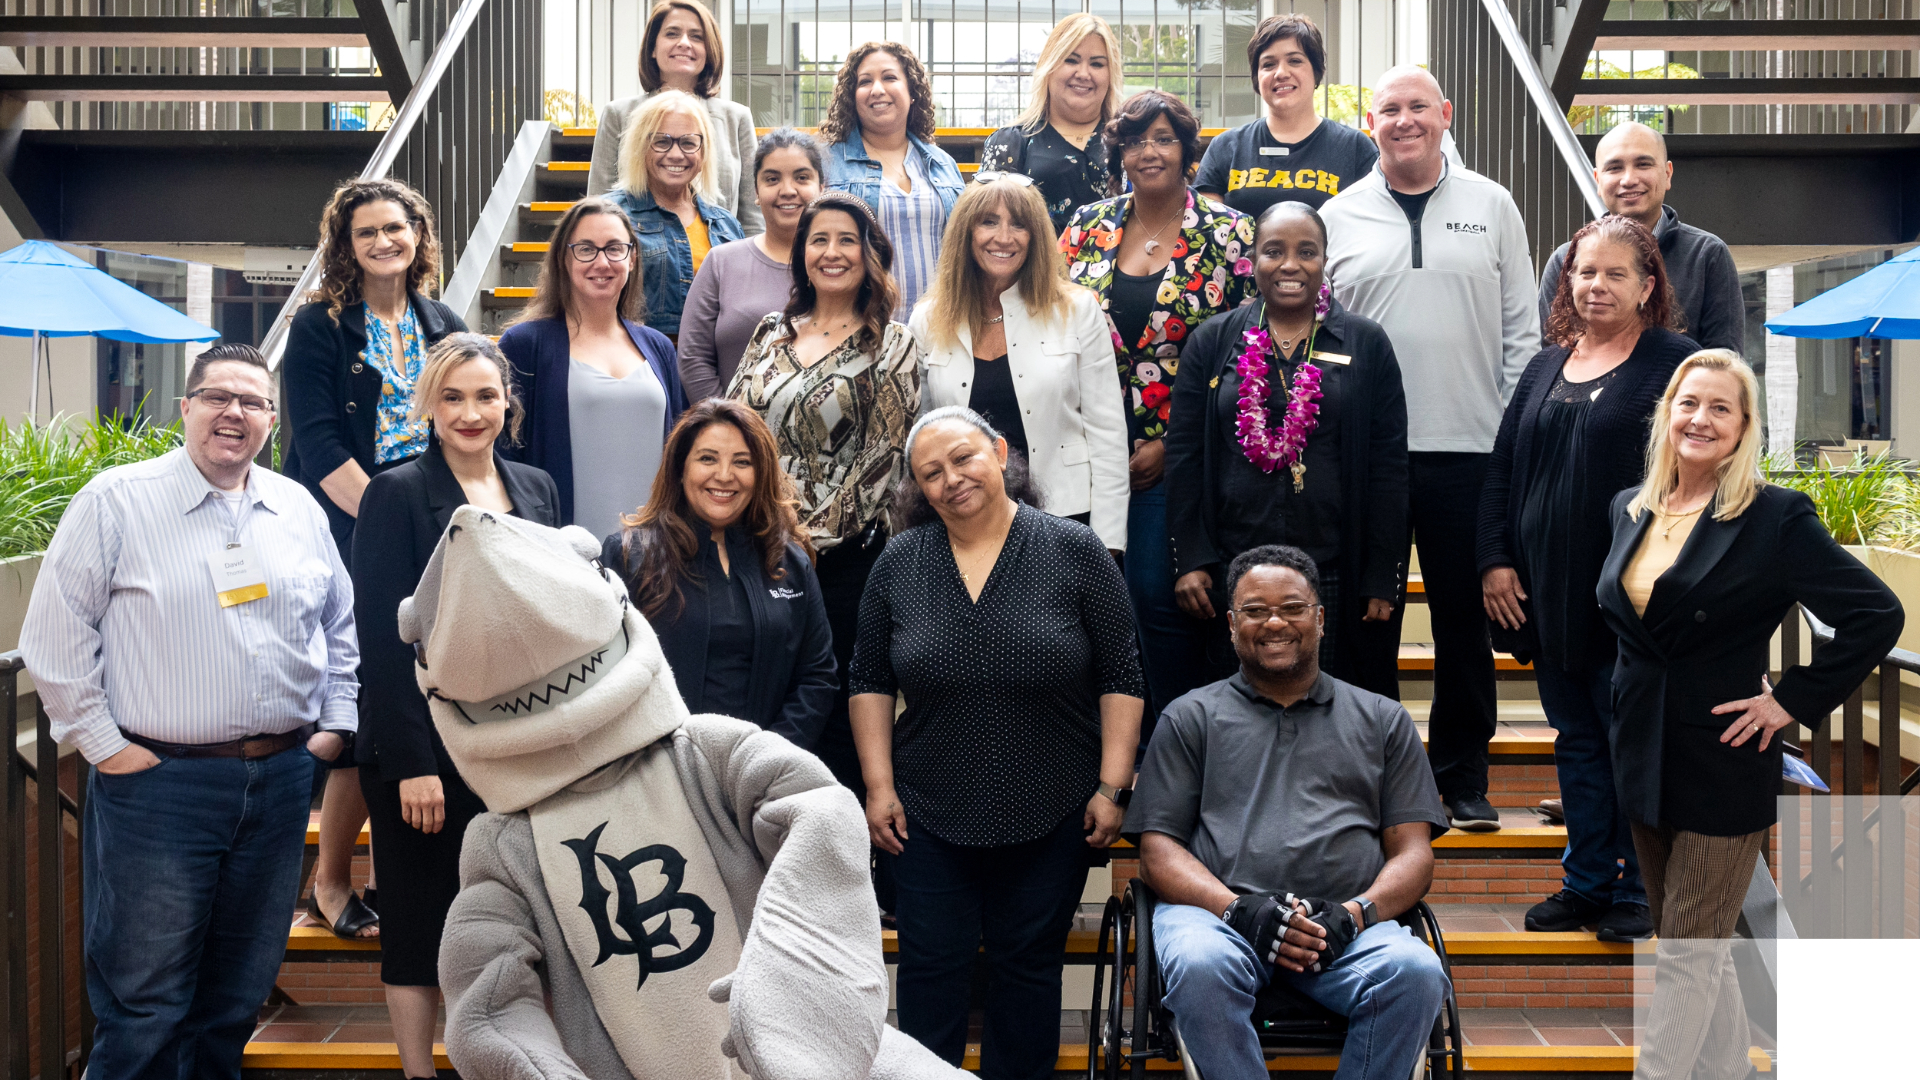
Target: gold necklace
column 1676, row 519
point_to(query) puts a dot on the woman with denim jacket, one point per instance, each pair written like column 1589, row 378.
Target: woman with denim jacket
column 879, row 135
column 666, row 174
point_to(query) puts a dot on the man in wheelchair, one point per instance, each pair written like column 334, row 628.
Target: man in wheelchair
column 1285, row 818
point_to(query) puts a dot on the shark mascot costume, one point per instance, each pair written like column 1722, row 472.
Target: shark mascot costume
column 654, row 895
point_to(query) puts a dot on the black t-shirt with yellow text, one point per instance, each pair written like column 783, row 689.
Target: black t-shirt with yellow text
column 1253, row 170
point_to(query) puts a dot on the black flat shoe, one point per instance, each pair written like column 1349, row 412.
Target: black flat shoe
column 370, row 896
column 354, row 917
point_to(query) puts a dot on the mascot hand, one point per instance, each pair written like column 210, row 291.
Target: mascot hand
column 734, row 1043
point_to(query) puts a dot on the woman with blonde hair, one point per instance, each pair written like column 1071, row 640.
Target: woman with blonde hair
column 420, row 806
column 666, row 176
column 601, row 391
column 879, row 139
column 1707, row 559
column 684, row 49
column 1007, row 336
column 1076, row 90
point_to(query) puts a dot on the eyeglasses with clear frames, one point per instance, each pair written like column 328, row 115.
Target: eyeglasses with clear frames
column 392, row 230
column 616, row 252
column 1297, row 611
column 688, row 144
column 1158, row 142
column 218, row 400
column 988, row 176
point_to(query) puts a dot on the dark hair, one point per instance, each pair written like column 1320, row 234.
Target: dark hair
column 227, row 352
column 788, row 138
column 1283, row 555
column 708, row 81
column 1136, row 115
column 659, row 540
column 1564, row 324
column 340, row 284
column 878, row 294
column 553, row 295
column 1276, row 209
column 910, row 505
column 1281, row 27
column 843, row 118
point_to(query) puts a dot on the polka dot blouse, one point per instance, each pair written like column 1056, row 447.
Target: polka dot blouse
column 1001, row 735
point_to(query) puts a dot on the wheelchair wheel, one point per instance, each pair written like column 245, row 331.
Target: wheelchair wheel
column 1103, row 1028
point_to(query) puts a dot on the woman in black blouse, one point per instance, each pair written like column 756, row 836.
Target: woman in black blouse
column 1009, row 632
column 717, row 562
column 1075, row 92
column 1574, row 434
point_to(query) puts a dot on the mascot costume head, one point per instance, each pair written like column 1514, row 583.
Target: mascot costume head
column 653, row 895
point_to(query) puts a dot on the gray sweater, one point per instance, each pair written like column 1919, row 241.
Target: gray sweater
column 1705, row 284
column 810, row 995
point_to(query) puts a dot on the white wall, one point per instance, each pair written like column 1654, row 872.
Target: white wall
column 1904, row 392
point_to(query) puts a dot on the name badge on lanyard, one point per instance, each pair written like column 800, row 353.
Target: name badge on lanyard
column 238, row 575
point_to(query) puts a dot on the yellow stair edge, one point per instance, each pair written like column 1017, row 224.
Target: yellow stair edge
column 1464, row 945
column 567, row 166
column 938, row 133
column 321, row 939
column 512, row 292
column 531, row 247
column 549, row 207
column 1513, row 836
column 301, row 1055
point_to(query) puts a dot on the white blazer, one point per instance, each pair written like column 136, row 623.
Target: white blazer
column 1068, row 386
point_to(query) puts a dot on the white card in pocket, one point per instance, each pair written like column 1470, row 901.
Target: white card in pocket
column 238, row 575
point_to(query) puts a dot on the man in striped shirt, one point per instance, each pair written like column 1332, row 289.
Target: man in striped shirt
column 191, row 629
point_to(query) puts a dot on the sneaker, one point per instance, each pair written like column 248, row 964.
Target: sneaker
column 1624, row 921
column 1564, row 911
column 1472, row 813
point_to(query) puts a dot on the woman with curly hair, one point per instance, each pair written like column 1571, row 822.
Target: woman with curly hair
column 1574, row 434
column 879, row 139
column 717, row 562
column 353, row 355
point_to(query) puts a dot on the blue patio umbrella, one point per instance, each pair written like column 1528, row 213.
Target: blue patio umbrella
column 47, row 293
column 1884, row 302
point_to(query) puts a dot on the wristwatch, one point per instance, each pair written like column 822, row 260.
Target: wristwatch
column 1120, row 796
column 1368, row 916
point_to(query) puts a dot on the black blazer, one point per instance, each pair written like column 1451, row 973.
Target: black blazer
column 1614, row 439
column 332, row 396
column 794, row 677
column 1372, row 405
column 402, row 515
column 1704, row 642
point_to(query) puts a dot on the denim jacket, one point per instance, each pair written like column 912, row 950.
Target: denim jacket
column 849, row 169
column 666, row 256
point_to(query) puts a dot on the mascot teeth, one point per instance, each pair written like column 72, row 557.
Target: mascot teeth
column 565, row 684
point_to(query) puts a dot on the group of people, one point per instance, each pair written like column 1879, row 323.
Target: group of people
column 962, row 486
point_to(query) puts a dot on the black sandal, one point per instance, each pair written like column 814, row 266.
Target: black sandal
column 370, row 896
column 354, row 917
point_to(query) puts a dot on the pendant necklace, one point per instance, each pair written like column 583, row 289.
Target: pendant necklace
column 1675, row 519
column 1153, row 241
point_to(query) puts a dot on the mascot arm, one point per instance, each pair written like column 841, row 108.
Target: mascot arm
column 498, row 1027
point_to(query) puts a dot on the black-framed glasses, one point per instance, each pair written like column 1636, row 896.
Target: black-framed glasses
column 1158, row 142
column 688, row 144
column 617, row 252
column 218, row 400
column 392, row 230
column 988, row 176
column 1294, row 611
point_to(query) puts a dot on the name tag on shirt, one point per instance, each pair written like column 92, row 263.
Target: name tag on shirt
column 1332, row 358
column 237, row 575
column 1276, row 151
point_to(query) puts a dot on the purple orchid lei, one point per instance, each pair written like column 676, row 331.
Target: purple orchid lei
column 1272, row 448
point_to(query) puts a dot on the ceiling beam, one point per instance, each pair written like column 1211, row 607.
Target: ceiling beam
column 107, row 32
column 1807, row 91
column 1761, row 35
column 194, row 87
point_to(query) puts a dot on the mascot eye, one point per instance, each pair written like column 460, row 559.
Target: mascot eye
column 420, row 654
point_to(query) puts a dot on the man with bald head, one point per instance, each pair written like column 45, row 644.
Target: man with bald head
column 1437, row 255
column 1634, row 174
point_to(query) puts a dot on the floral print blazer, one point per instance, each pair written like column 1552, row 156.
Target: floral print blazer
column 1211, row 272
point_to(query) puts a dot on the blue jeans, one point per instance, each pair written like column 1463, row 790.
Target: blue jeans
column 1016, row 900
column 1173, row 644
column 1579, row 705
column 1387, row 984
column 191, row 869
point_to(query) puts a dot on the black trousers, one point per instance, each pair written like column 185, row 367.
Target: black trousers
column 419, row 875
column 1444, row 513
column 843, row 571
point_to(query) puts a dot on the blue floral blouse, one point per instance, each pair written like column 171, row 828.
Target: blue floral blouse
column 395, row 437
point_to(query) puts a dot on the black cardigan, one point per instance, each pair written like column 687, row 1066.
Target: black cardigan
column 402, row 515
column 1704, row 642
column 794, row 676
column 1372, row 407
column 333, row 397
column 1615, row 430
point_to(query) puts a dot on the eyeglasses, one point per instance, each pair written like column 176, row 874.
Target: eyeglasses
column 988, row 176
column 1158, row 142
column 688, row 144
column 616, row 252
column 218, row 400
column 1297, row 611
column 393, row 230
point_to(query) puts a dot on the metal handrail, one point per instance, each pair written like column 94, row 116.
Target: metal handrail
column 384, row 155
column 1564, row 140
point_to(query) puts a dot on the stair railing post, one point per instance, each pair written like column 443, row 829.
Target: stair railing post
column 13, row 835
column 50, row 859
column 1893, row 818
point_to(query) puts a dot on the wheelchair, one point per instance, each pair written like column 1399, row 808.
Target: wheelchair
column 1288, row 1022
